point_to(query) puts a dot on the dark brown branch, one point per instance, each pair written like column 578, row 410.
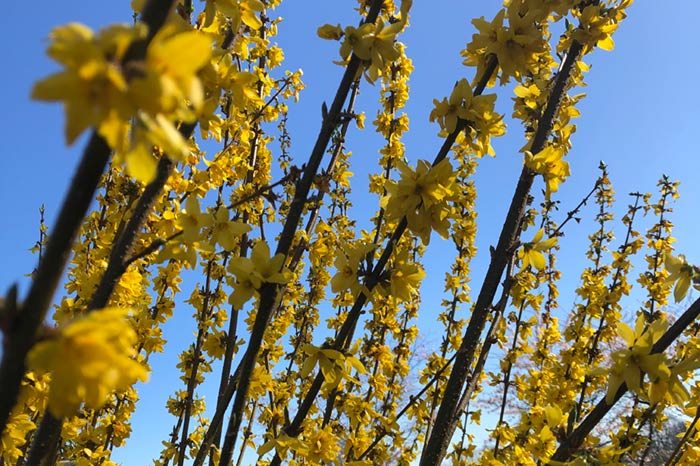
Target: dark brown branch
column 21, row 330
column 448, row 414
column 151, row 248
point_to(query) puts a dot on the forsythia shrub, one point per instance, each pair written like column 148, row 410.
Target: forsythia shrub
column 309, row 319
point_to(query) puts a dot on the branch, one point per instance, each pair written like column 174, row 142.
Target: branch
column 446, row 421
column 22, row 326
column 151, row 248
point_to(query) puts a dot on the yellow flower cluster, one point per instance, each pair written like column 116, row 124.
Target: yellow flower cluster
column 597, row 23
column 373, row 43
column 100, row 87
column 633, row 363
column 15, row 436
column 422, row 196
column 550, row 164
column 89, row 360
column 517, row 44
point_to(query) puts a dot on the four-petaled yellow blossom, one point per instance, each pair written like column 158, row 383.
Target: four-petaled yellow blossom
column 531, row 253
column 517, row 45
column 347, row 264
column 168, row 83
column 191, row 220
column 91, row 358
column 225, row 232
column 629, row 363
column 252, row 273
column 335, row 365
column 550, row 164
column 92, row 87
column 373, row 43
column 681, row 273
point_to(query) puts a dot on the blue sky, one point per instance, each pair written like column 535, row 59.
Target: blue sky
column 640, row 117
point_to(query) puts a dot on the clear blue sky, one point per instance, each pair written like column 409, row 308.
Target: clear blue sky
column 640, row 116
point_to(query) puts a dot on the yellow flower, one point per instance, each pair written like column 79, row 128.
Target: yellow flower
column 531, row 253
column 476, row 110
column 323, row 446
column 595, row 27
column 252, row 273
column 328, row 31
column 225, row 231
column 335, row 365
column 405, row 279
column 92, row 87
column 192, row 220
column 422, row 196
column 681, row 273
column 148, row 133
column 215, row 344
column 629, row 363
column 373, row 43
column 91, row 358
column 168, row 86
column 347, row 264
column 448, row 111
column 425, row 186
column 517, row 45
column 549, row 163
